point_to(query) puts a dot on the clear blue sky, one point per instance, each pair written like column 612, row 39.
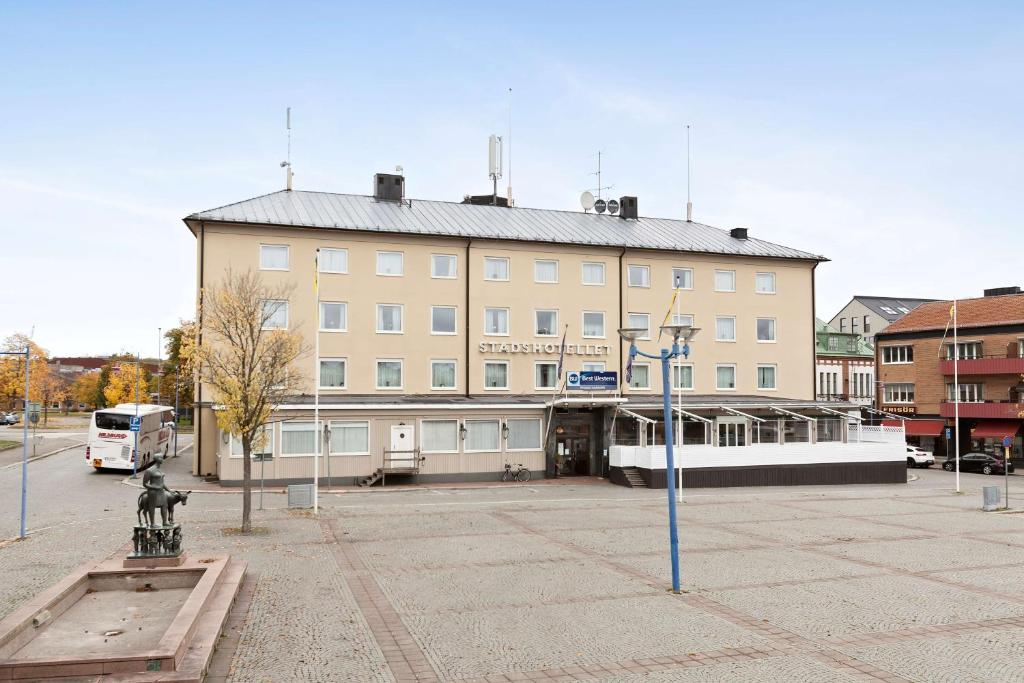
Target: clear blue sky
column 886, row 136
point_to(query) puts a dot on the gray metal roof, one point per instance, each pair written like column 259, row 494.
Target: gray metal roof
column 875, row 303
column 422, row 217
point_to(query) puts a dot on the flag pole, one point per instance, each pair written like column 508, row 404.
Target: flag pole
column 956, row 395
column 679, row 395
column 316, row 387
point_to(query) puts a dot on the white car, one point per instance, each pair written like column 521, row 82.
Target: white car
column 918, row 457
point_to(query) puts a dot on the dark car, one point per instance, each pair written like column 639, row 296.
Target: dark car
column 977, row 462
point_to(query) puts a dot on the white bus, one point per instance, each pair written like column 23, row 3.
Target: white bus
column 111, row 440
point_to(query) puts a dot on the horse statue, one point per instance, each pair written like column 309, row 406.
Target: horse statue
column 171, row 498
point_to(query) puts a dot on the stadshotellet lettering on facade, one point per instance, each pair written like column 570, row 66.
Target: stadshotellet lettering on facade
column 534, row 347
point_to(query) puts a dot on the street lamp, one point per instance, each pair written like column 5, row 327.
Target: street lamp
column 677, row 332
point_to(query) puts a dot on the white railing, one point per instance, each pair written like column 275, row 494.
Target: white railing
column 653, row 457
column 879, row 433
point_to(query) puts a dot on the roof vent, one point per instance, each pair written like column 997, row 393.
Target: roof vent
column 388, row 187
column 1002, row 291
column 627, row 207
column 739, row 233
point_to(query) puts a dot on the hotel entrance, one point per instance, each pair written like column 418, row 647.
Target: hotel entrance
column 575, row 443
column 572, row 450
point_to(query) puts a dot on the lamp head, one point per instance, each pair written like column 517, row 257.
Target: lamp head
column 680, row 332
column 631, row 334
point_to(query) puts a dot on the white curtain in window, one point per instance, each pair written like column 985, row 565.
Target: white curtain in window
column 496, row 269
column 298, row 438
column 545, row 271
column 350, row 437
column 332, row 315
column 275, row 257
column 725, row 280
column 267, row 447
column 442, row 319
column 334, row 260
column 766, row 377
column 682, row 278
column 495, row 375
column 545, row 375
column 443, row 265
column 389, row 263
column 524, row 433
column 641, row 377
column 442, row 375
column 389, row 374
column 439, row 436
column 725, row 329
column 640, row 321
column 726, row 377
column 547, row 322
column 482, row 435
column 389, row 318
column 332, row 373
column 682, row 319
column 682, row 376
column 496, row 321
column 639, row 276
column 766, row 283
column 275, row 314
column 593, row 324
column 593, row 273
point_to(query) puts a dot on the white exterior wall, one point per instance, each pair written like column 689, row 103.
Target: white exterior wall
column 688, row 457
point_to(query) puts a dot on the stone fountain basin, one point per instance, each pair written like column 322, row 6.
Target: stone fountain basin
column 107, row 619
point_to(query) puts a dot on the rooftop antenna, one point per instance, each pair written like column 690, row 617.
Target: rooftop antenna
column 494, row 163
column 510, row 146
column 599, row 187
column 689, row 204
column 287, row 163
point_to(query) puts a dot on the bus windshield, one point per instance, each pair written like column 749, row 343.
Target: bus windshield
column 112, row 421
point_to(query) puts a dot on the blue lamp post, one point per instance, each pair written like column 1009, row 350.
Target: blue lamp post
column 686, row 333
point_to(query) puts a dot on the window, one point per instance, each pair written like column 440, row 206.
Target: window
column 298, row 438
column 593, row 325
column 725, row 280
column 888, row 310
column 969, row 350
column 523, row 434
column 725, row 377
column 442, row 319
column 496, row 321
column 442, row 374
column 903, row 309
column 546, row 323
column 593, row 366
column 641, row 378
column 853, row 325
column 867, row 324
column 483, row 436
column 899, row 393
column 332, row 373
column 389, row 374
column 640, row 321
column 443, row 266
column 682, row 278
column 682, row 319
column 439, row 436
column 766, row 377
column 390, row 263
column 333, row 261
column 764, row 283
column 725, row 328
column 593, row 273
column 833, row 343
column 264, row 447
column 273, row 257
column 333, row 316
column 545, row 375
column 851, row 345
column 349, row 438
column 496, row 374
column 892, row 355
column 389, row 318
column 545, row 271
column 969, row 393
column 496, row 268
column 842, row 324
column 682, row 376
column 275, row 314
column 766, row 330
column 639, row 276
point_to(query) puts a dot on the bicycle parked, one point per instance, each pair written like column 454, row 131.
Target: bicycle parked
column 518, row 474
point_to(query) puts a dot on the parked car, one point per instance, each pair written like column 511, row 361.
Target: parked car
column 10, row 418
column 918, row 457
column 978, row 462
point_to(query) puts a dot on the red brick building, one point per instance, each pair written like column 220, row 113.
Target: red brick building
column 915, row 362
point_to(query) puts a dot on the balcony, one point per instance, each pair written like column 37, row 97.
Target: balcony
column 986, row 409
column 846, row 398
column 986, row 365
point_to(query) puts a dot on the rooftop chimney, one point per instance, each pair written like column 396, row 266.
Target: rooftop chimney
column 388, row 187
column 627, row 207
column 1002, row 291
column 739, row 233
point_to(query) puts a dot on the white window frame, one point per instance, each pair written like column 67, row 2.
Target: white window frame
column 508, row 268
column 508, row 371
column 629, row 323
column 757, row 275
column 775, row 376
column 369, row 435
column 693, row 377
column 903, row 396
column 593, row 366
column 540, row 433
column 320, row 263
column 344, row 326
column 604, row 325
column 898, row 354
column 287, row 256
column 583, row 270
column 448, row 361
column 508, row 321
column 316, row 433
column 686, row 269
column 639, row 268
column 775, row 331
column 536, row 364
column 455, row 270
column 434, row 332
column 497, row 449
column 974, row 392
column 401, row 256
column 438, row 419
column 973, row 344
column 401, row 319
column 537, row 262
column 554, row 328
column 401, row 373
column 677, row 319
column 734, row 335
column 264, row 302
column 640, row 388
column 344, row 362
column 735, row 377
column 270, row 444
column 720, row 271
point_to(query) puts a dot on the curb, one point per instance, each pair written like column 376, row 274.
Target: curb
column 44, row 455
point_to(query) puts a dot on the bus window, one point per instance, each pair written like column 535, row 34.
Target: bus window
column 113, row 421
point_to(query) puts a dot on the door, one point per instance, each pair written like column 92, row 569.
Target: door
column 403, row 447
column 732, row 434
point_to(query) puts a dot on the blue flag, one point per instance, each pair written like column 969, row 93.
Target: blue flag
column 561, row 353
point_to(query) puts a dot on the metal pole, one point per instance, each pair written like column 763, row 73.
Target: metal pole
column 159, row 366
column 666, row 395
column 1006, row 479
column 956, row 396
column 316, row 389
column 135, row 453
column 679, row 389
column 24, row 450
column 176, row 408
column 263, row 464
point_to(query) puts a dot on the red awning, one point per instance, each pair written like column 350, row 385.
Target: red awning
column 995, row 429
column 918, row 427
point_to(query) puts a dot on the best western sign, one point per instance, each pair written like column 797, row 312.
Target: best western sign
column 552, row 349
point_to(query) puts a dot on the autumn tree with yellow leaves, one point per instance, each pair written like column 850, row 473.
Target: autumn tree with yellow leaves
column 127, row 380
column 45, row 386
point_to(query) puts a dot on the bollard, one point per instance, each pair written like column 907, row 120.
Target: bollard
column 990, row 498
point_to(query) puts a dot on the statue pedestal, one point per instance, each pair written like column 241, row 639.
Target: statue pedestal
column 156, row 546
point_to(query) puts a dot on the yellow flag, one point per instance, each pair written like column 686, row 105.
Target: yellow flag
column 668, row 314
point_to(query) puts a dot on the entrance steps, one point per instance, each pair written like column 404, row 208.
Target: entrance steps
column 373, row 478
column 633, row 478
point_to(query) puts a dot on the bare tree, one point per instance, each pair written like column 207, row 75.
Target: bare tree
column 246, row 357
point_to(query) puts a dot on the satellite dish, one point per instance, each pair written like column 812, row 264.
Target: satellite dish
column 587, row 200
column 600, row 206
column 613, row 206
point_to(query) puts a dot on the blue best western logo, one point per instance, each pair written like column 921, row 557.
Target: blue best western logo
column 592, row 380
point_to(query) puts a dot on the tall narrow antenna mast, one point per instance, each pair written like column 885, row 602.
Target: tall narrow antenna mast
column 689, row 204
column 287, row 163
column 600, row 188
column 510, row 147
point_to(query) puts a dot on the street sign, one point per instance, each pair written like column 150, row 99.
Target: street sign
column 134, row 424
column 949, row 433
column 1007, row 441
column 592, row 380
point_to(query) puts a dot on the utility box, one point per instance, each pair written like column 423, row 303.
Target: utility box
column 990, row 498
column 300, row 495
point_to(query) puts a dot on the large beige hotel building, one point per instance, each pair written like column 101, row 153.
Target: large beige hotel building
column 440, row 326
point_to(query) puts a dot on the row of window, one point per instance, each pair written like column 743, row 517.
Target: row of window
column 496, row 268
column 897, row 355
column 352, row 437
column 904, row 393
column 853, row 324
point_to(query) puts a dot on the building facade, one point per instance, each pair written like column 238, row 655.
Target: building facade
column 915, row 359
column 845, row 366
column 869, row 315
column 441, row 326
